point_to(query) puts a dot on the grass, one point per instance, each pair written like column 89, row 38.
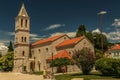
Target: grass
column 37, row 73
column 94, row 75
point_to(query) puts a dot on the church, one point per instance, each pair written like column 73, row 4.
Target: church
column 33, row 57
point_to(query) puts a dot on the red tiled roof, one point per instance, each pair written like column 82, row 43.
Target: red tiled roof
column 62, row 54
column 116, row 47
column 47, row 40
column 70, row 42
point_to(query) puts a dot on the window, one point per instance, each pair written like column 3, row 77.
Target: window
column 26, row 23
column 24, row 39
column 47, row 49
column 21, row 39
column 39, row 50
column 21, row 22
column 23, row 53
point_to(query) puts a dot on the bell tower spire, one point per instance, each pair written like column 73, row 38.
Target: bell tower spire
column 21, row 40
column 23, row 11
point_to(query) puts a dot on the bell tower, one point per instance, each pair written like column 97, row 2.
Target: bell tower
column 21, row 40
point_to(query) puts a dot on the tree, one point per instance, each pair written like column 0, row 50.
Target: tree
column 85, row 60
column 108, row 66
column 6, row 62
column 10, row 47
column 81, row 31
column 97, row 41
column 60, row 62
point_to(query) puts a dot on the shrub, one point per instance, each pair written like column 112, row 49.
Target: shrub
column 108, row 66
column 85, row 60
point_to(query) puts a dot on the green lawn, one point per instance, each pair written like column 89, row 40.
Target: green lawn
column 86, row 77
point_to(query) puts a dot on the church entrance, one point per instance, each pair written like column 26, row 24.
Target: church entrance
column 32, row 66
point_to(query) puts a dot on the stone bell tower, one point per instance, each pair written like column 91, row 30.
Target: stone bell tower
column 21, row 41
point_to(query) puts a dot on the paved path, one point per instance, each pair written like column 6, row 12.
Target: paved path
column 19, row 76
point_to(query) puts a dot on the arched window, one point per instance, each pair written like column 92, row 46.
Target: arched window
column 25, row 39
column 21, row 22
column 23, row 53
column 21, row 39
column 26, row 23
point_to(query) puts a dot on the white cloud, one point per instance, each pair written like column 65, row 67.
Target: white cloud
column 33, row 35
column 96, row 31
column 36, row 39
column 70, row 34
column 54, row 26
column 5, row 41
column 111, row 36
column 11, row 33
column 116, row 23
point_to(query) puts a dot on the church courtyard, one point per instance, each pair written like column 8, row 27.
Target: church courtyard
column 19, row 76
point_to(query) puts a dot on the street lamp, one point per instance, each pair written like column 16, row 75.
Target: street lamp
column 52, row 62
column 101, row 14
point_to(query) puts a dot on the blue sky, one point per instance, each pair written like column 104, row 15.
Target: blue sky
column 52, row 17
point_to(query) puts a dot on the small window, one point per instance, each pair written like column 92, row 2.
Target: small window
column 26, row 23
column 39, row 50
column 24, row 39
column 46, row 49
column 21, row 22
column 23, row 53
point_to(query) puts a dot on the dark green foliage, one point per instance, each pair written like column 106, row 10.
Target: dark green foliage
column 85, row 60
column 98, row 54
column 59, row 62
column 6, row 62
column 97, row 41
column 95, row 38
column 108, row 66
column 81, row 31
column 10, row 47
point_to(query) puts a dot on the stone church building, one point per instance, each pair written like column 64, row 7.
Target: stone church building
column 33, row 57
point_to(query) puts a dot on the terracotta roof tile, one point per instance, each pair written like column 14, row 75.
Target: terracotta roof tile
column 62, row 54
column 70, row 42
column 116, row 47
column 47, row 40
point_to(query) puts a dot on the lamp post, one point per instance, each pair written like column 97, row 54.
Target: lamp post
column 52, row 62
column 101, row 14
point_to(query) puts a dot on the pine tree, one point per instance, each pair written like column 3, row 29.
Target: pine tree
column 81, row 31
column 10, row 47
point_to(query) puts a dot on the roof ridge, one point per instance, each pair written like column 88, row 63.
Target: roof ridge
column 70, row 41
column 50, row 39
